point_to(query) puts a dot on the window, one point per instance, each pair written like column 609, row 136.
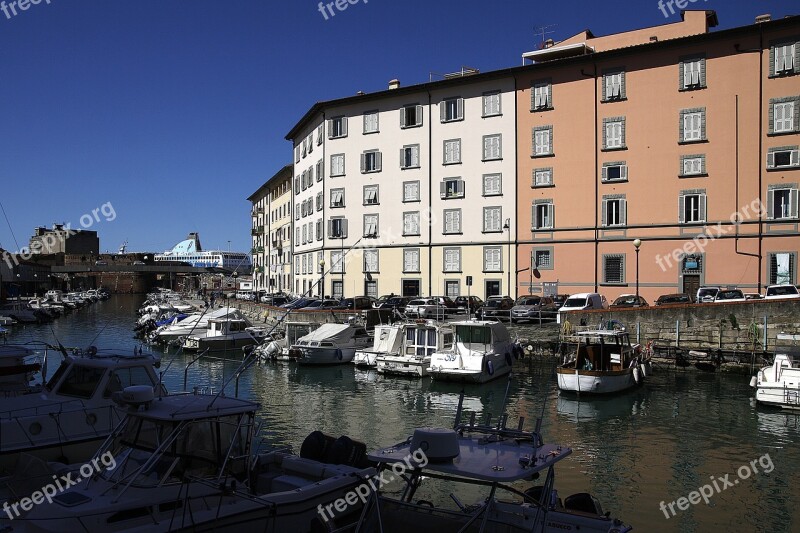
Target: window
column 614, row 211
column 783, row 157
column 310, row 142
column 320, row 169
column 409, row 156
column 337, row 165
column 411, row 191
column 692, row 207
column 337, row 263
column 783, row 59
column 297, row 211
column 370, row 225
column 542, row 141
column 693, row 125
column 297, row 185
column 492, row 259
column 371, row 195
column 452, row 260
column 305, row 234
column 692, row 73
column 614, row 269
column 337, row 228
column 371, row 261
column 491, row 104
column 320, row 130
column 370, row 161
column 297, row 261
column 782, row 202
column 319, row 201
column 411, row 116
column 337, row 127
column 320, row 266
column 370, row 122
column 542, row 177
column 543, row 215
column 541, row 96
column 452, row 151
column 614, row 133
column 492, row 184
column 337, row 289
column 297, row 235
column 452, row 221
column 784, row 115
column 615, row 171
column 411, row 223
column 492, row 219
column 297, row 153
column 411, row 260
column 451, row 109
column 492, row 147
column 371, row 288
column 337, row 197
column 782, row 267
column 81, row 382
column 319, row 229
column 693, row 165
column 452, row 288
column 451, row 188
column 543, row 259
column 613, row 86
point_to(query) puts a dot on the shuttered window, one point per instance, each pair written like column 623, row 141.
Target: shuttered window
column 371, row 261
column 452, row 260
column 782, row 203
column 452, row 220
column 492, row 147
column 371, row 161
column 692, row 125
column 541, row 96
column 370, row 225
column 409, row 156
column 784, row 58
column 411, row 191
column 543, row 215
column 337, row 165
column 782, row 267
column 692, row 207
column 411, row 260
column 491, row 104
column 337, row 197
column 371, row 195
column 371, row 122
column 337, row 265
column 783, row 117
column 614, row 133
column 542, row 141
column 492, row 219
column 613, row 86
column 451, row 109
column 411, row 223
column 452, row 151
column 411, row 116
column 492, row 184
column 451, row 188
column 337, row 127
column 614, row 211
column 492, row 259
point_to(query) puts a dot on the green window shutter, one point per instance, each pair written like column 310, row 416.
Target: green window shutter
column 703, row 72
column 622, row 130
column 622, row 93
column 796, row 109
column 681, row 207
column 770, row 203
column 604, row 174
column 680, row 126
column 604, row 212
column 703, row 124
column 680, row 78
column 605, row 85
column 772, row 116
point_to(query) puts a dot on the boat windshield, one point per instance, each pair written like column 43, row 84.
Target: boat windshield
column 295, row 331
column 196, row 448
column 81, row 382
column 473, row 335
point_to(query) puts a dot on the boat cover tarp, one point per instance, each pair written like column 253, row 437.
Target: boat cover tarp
column 387, row 339
column 336, row 333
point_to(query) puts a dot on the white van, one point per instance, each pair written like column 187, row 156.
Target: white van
column 582, row 302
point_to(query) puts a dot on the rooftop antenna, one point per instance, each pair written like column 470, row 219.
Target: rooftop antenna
column 543, row 32
column 123, row 247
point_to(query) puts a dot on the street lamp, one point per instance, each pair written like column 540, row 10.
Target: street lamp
column 322, row 283
column 507, row 227
column 636, row 244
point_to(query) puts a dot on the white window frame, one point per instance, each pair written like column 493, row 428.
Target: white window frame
column 337, row 165
column 492, row 184
column 411, row 223
column 341, row 222
column 452, row 222
column 451, row 109
column 371, row 261
column 406, row 185
column 614, row 212
column 541, row 97
column 613, row 85
column 542, row 177
column 785, row 122
column 693, row 125
column 542, row 141
column 789, row 209
column 409, row 156
column 450, row 188
column 337, row 198
column 337, row 264
column 371, row 225
column 452, row 151
column 337, row 127
column 492, row 104
column 783, row 58
column 543, row 216
column 418, row 115
column 693, row 73
column 411, row 260
column 493, row 147
column 371, row 161
column 451, row 264
column 693, row 165
column 492, row 258
column 623, row 172
column 493, row 219
column 371, row 122
column 614, row 134
column 371, row 195
column 699, row 211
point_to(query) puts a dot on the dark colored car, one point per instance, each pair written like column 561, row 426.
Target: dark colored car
column 550, row 310
column 495, row 307
column 671, row 299
column 473, row 301
column 628, row 300
column 358, row 303
column 396, row 302
column 527, row 308
column 274, row 300
column 380, row 301
column 446, row 301
column 298, row 303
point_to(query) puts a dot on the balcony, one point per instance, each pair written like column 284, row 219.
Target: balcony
column 257, row 231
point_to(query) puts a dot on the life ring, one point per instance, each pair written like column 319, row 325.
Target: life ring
column 490, row 368
column 509, row 360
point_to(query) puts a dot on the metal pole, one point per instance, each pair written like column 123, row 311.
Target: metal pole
column 342, row 267
column 637, row 276
column 508, row 223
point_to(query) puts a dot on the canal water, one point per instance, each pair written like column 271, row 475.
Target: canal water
column 680, row 431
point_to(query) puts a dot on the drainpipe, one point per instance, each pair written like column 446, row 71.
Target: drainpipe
column 596, row 179
column 430, row 198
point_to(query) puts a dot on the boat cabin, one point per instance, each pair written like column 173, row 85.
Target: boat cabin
column 480, row 336
column 423, row 339
column 603, row 351
column 220, row 327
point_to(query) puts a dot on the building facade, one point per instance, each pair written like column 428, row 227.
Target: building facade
column 271, row 232
column 61, row 239
column 540, row 178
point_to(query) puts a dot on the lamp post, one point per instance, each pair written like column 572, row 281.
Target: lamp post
column 322, row 283
column 342, row 269
column 636, row 244
column 507, row 227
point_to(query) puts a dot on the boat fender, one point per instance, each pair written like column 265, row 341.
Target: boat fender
column 490, row 368
column 643, row 366
column 508, row 358
column 339, row 354
column 753, row 381
column 637, row 376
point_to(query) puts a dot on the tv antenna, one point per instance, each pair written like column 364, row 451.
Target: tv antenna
column 542, row 31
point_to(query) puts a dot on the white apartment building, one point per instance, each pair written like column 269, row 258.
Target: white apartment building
column 413, row 189
column 272, row 233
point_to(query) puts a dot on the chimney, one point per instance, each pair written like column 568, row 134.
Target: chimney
column 763, row 18
column 394, row 84
column 549, row 43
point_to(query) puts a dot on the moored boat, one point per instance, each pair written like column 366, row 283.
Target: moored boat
column 482, row 350
column 779, row 384
column 405, row 349
column 330, row 344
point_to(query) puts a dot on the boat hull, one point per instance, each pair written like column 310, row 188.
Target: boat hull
column 326, row 356
column 363, row 359
column 403, row 366
column 468, row 374
column 590, row 382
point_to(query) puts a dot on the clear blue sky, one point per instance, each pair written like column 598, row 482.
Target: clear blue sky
column 175, row 111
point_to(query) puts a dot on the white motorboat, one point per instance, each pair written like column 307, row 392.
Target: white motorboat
column 604, row 362
column 18, row 371
column 405, row 349
column 187, row 463
column 479, row 462
column 74, row 411
column 330, row 344
column 779, row 384
column 193, row 324
column 482, row 350
column 277, row 347
column 223, row 335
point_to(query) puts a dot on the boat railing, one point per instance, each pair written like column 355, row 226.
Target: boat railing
column 189, row 364
column 100, row 420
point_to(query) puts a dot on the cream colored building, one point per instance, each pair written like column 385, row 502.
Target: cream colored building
column 417, row 190
column 272, row 233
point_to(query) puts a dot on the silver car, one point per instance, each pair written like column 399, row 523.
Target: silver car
column 425, row 308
